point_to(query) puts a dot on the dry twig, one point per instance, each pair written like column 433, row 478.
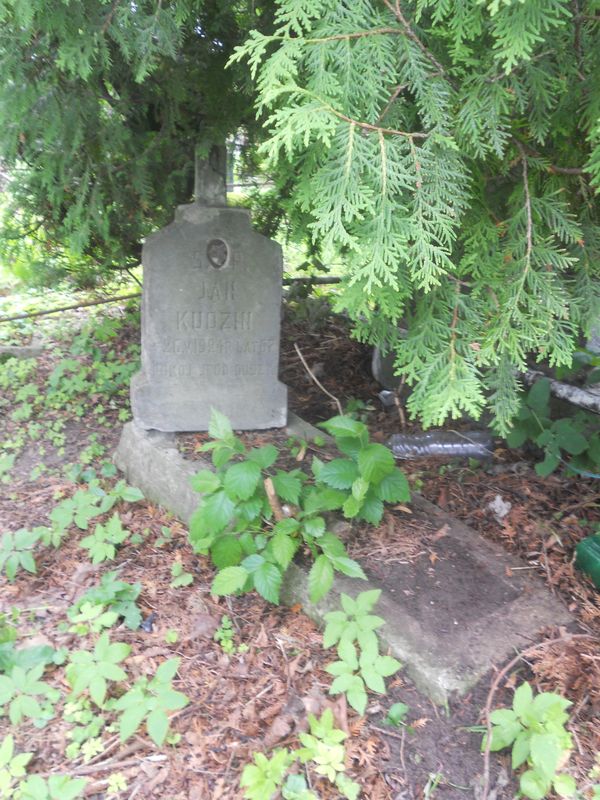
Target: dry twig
column 316, row 380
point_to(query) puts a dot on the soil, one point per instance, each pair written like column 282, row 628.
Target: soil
column 257, row 700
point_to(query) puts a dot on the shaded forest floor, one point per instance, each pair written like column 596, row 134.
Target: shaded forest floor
column 60, row 418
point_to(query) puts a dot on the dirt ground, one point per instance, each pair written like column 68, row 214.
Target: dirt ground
column 258, row 699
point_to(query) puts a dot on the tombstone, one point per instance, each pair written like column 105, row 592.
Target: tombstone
column 211, row 311
column 382, row 369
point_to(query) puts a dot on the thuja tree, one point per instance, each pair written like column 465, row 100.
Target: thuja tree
column 449, row 150
column 102, row 103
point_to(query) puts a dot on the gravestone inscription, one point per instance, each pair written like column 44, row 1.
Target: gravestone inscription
column 211, row 311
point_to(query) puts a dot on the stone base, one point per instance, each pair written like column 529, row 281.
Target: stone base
column 181, row 407
column 448, row 623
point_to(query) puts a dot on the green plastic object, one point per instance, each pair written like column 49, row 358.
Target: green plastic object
column 587, row 557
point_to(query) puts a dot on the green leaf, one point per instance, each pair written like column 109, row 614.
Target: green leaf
column 157, row 725
column 373, row 680
column 332, row 633
column 357, row 697
column 371, row 510
column 397, row 714
column 267, row 581
column 394, row 488
column 323, row 500
column 548, row 465
column 367, row 641
column 520, row 750
column 343, row 426
column 229, row 581
column 97, row 688
column 320, row 579
column 538, row 397
column 28, row 561
column 226, row 552
column 206, row 481
column 351, row 507
column 564, row 785
column 503, row 716
column 287, row 525
column 222, row 454
column 167, row 671
column 284, row 548
column 242, row 479
column 131, row 719
column 360, row 487
column 131, row 494
column 350, row 789
column 386, row 665
column 365, row 601
column 522, row 699
column 516, row 437
column 340, row 668
column 342, row 683
column 503, row 735
column 252, row 562
column 314, row 527
column 250, row 510
column 347, row 653
column 332, row 545
column 7, row 749
column 216, row 512
column 569, row 438
column 534, row 785
column 375, row 461
column 288, row 486
column 265, row 456
column 219, row 426
column 347, row 566
column 63, row 787
column 339, row 473
column 545, row 752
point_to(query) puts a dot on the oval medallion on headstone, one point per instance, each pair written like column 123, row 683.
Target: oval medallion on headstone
column 217, row 252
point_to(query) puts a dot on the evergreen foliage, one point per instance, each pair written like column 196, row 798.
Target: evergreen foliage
column 102, row 103
column 449, row 152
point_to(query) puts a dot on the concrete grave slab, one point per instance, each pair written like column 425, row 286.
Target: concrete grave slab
column 448, row 622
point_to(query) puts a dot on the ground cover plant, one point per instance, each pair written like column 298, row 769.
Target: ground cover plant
column 246, row 699
column 238, row 497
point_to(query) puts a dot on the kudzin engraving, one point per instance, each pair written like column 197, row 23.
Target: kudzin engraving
column 215, row 320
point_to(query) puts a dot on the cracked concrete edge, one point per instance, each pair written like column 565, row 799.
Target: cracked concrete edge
column 165, row 481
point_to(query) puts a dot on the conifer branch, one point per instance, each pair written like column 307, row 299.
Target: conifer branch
column 553, row 168
column 395, row 94
column 364, row 125
column 346, row 36
column 529, row 231
column 396, row 10
column 109, row 16
column 453, row 325
column 383, row 165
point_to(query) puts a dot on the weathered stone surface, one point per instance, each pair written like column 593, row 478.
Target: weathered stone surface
column 448, row 622
column 210, row 320
column 33, row 350
column 382, row 368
